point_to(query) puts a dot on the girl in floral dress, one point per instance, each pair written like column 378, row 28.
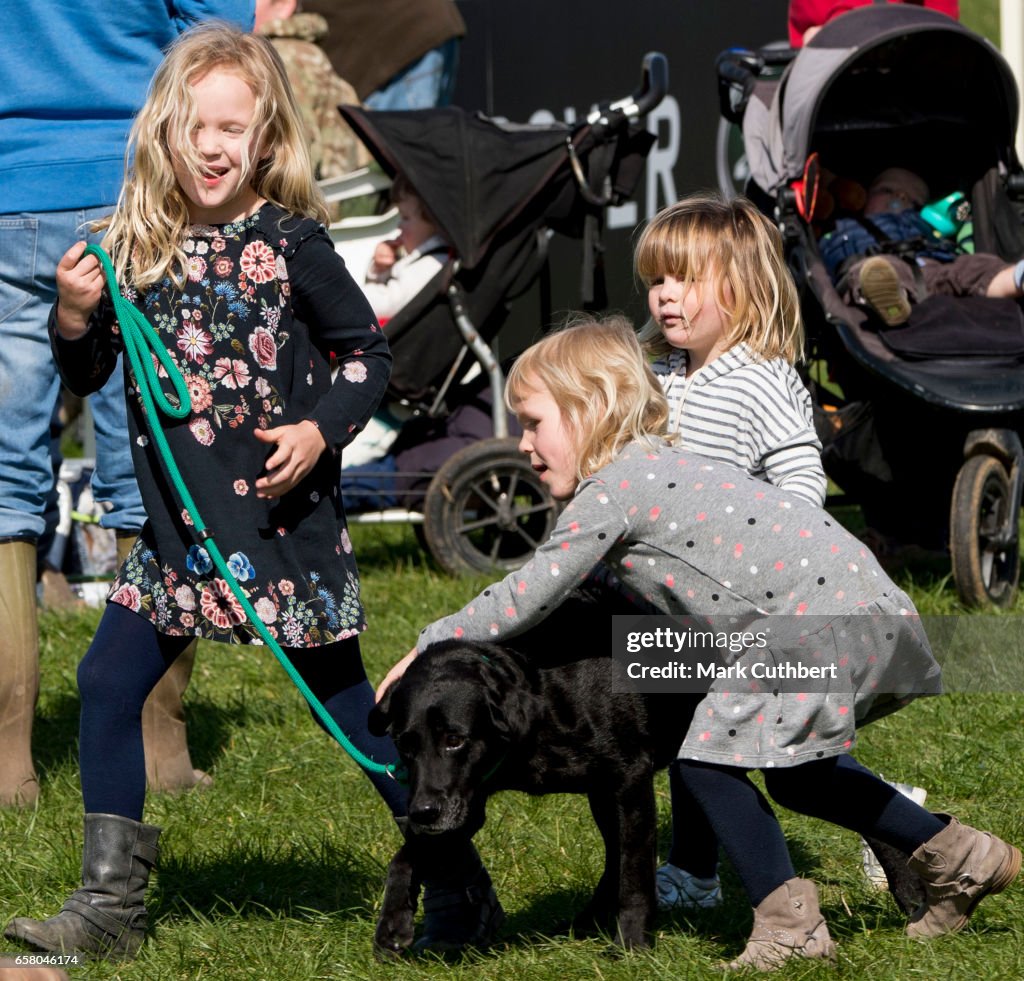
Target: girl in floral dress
column 218, row 238
column 698, row 537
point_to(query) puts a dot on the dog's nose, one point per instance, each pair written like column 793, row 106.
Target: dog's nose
column 425, row 813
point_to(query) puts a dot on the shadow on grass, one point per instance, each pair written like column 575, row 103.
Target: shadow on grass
column 267, row 881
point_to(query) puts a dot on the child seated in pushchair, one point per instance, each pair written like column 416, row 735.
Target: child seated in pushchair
column 889, row 256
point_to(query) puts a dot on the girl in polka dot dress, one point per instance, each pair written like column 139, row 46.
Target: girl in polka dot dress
column 701, row 538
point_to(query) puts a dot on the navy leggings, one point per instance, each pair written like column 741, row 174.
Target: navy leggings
column 837, row 789
column 128, row 657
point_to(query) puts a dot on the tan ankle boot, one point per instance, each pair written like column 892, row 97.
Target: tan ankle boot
column 787, row 923
column 19, row 672
column 164, row 734
column 959, row 867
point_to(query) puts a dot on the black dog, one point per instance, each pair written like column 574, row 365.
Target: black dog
column 472, row 719
column 540, row 716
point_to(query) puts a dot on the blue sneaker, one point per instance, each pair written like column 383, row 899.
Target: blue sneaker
column 677, row 889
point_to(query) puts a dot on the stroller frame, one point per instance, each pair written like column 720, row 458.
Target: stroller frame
column 485, row 508
column 790, row 104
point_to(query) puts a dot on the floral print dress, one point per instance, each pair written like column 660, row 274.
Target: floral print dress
column 265, row 303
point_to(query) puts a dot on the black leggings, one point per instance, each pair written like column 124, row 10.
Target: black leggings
column 837, row 789
column 128, row 657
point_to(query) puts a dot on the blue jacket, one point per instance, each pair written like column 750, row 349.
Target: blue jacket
column 72, row 76
column 850, row 237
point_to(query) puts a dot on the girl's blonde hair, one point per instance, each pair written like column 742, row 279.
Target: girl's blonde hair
column 734, row 254
column 598, row 375
column 146, row 233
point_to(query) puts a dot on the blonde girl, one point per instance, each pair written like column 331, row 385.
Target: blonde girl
column 699, row 537
column 725, row 331
column 218, row 239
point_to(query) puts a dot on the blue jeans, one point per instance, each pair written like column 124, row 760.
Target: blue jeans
column 424, row 84
column 31, row 245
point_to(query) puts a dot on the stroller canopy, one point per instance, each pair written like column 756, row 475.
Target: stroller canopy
column 875, row 71
column 473, row 173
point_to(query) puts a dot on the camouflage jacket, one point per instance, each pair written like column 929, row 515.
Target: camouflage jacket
column 334, row 148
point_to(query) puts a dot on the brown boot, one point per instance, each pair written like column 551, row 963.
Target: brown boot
column 960, row 867
column 787, row 924
column 19, row 672
column 164, row 735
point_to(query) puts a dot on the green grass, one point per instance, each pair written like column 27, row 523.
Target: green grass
column 276, row 872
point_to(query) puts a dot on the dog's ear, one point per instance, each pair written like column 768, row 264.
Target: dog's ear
column 507, row 697
column 379, row 719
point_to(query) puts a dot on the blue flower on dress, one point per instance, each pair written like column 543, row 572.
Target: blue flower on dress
column 198, row 560
column 330, row 607
column 239, row 307
column 240, row 567
column 225, row 289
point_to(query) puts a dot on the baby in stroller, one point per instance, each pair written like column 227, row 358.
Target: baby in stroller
column 889, row 255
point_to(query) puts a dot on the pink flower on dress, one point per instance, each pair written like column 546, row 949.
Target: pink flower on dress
column 195, row 342
column 263, row 347
column 195, row 268
column 231, row 372
column 129, row 596
column 241, row 487
column 258, row 262
column 219, row 606
column 185, row 598
column 354, row 371
column 265, row 610
column 222, row 266
column 286, row 586
column 198, row 392
column 187, row 620
column 202, row 430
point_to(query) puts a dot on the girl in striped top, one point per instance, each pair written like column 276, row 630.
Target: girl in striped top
column 725, row 332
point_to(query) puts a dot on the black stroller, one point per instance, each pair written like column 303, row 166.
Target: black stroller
column 925, row 434
column 497, row 191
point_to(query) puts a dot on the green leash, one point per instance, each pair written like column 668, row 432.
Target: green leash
column 140, row 338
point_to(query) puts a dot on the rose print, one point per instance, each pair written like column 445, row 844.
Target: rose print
column 354, row 371
column 129, row 596
column 195, row 268
column 263, row 347
column 265, row 610
column 185, row 598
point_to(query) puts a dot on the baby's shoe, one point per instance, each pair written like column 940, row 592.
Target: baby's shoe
column 882, row 290
column 677, row 889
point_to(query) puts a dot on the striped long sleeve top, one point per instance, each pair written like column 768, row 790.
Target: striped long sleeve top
column 753, row 414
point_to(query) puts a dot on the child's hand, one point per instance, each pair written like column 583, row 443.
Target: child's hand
column 385, row 255
column 80, row 285
column 297, row 448
column 394, row 674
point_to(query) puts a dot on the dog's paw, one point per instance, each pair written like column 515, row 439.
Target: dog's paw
column 392, row 940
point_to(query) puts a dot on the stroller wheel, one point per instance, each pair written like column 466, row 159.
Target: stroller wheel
column 486, row 509
column 984, row 543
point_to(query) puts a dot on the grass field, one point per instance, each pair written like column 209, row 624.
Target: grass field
column 277, row 870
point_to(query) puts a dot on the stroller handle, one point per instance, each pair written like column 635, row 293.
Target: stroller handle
column 652, row 89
